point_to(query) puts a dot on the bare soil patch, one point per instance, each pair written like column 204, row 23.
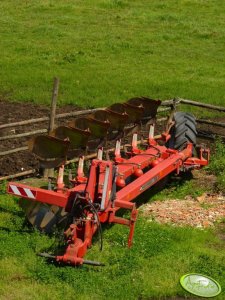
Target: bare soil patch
column 12, row 112
column 213, row 129
column 17, row 111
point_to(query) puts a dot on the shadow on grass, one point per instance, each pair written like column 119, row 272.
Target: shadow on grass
column 13, row 212
column 168, row 182
column 8, row 230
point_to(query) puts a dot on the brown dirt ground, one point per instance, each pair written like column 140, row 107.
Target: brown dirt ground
column 12, row 112
column 17, row 111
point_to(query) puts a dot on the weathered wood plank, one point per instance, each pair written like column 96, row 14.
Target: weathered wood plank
column 219, row 124
column 19, row 135
column 200, row 104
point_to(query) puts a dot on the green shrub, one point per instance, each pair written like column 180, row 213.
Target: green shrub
column 221, row 182
column 217, row 165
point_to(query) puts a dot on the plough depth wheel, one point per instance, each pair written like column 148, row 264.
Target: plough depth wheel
column 183, row 132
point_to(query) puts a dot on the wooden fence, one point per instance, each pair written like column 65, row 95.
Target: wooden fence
column 166, row 106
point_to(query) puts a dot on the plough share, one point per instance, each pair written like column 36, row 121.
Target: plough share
column 87, row 201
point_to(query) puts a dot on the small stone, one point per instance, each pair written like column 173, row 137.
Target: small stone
column 207, row 224
column 201, row 198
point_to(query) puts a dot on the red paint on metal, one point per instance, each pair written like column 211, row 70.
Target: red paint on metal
column 60, row 199
column 149, row 166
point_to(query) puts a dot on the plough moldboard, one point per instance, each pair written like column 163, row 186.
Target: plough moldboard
column 112, row 183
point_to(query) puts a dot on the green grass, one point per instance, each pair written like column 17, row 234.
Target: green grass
column 179, row 189
column 149, row 270
column 109, row 50
column 217, row 165
column 106, row 51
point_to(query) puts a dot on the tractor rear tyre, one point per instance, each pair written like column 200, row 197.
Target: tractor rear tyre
column 183, row 132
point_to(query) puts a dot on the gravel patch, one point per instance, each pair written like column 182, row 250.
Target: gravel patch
column 202, row 212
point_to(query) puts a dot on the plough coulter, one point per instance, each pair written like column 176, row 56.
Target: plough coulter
column 114, row 179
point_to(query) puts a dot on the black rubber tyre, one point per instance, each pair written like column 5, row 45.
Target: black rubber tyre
column 183, row 132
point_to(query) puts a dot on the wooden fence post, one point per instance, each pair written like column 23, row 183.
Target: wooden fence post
column 51, row 125
column 173, row 108
column 55, row 92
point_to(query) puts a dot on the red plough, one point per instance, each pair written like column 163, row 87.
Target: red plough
column 113, row 183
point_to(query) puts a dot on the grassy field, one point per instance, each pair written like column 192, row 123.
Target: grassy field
column 149, row 270
column 106, row 51
column 109, row 50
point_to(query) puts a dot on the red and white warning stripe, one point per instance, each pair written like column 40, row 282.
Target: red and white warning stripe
column 21, row 191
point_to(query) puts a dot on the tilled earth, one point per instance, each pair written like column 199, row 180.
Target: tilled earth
column 13, row 112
